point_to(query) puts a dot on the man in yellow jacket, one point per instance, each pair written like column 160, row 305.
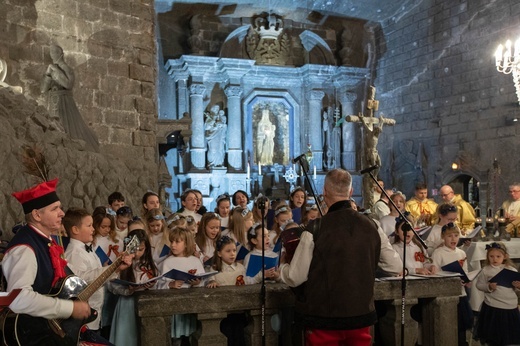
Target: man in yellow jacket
column 465, row 212
column 420, row 207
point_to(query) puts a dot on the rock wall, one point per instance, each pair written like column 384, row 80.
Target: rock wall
column 437, row 78
column 85, row 178
column 111, row 47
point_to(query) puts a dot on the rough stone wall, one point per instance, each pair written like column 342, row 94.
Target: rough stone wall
column 111, row 47
column 437, row 78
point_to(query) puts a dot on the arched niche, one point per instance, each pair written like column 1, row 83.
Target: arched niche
column 283, row 111
column 467, row 182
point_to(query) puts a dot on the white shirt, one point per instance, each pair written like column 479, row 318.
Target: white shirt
column 224, row 221
column 513, row 208
column 380, row 209
column 250, row 280
column 296, row 273
column 87, row 266
column 209, row 249
column 110, row 248
column 157, row 244
column 444, row 255
column 184, row 264
column 122, row 234
column 230, row 273
column 193, row 214
column 388, row 224
column 434, row 239
column 412, row 261
column 272, row 242
column 389, row 259
column 502, row 297
column 139, row 275
column 20, row 267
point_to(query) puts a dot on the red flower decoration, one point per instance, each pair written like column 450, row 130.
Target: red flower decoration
column 419, row 257
column 192, row 271
column 240, row 281
column 114, row 248
column 146, row 271
column 462, row 262
column 58, row 263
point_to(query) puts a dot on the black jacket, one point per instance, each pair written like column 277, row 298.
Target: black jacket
column 339, row 292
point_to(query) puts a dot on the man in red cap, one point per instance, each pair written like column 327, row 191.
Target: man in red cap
column 33, row 263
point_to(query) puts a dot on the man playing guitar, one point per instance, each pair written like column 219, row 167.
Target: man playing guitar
column 33, row 262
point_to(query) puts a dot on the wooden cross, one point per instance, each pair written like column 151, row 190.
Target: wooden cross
column 372, row 128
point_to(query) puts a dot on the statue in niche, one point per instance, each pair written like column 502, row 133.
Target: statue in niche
column 195, row 40
column 327, row 145
column 369, row 43
column 346, row 51
column 3, row 74
column 265, row 132
column 336, row 138
column 59, row 81
column 215, row 132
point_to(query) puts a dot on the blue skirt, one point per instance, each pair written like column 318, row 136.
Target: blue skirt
column 125, row 327
column 498, row 326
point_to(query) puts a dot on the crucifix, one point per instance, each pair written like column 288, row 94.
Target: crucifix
column 372, row 128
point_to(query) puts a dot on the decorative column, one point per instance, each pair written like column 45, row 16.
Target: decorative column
column 182, row 96
column 234, row 141
column 348, row 152
column 198, row 147
column 315, row 106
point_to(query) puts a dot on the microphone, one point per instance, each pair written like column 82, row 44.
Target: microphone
column 297, row 159
column 369, row 169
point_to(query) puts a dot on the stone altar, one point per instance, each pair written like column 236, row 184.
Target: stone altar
column 292, row 113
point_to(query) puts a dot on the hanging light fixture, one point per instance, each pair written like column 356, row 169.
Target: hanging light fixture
column 507, row 60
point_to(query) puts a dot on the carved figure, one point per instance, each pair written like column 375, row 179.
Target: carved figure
column 195, row 40
column 346, row 51
column 266, row 43
column 215, row 132
column 371, row 137
column 59, row 81
column 265, row 133
column 327, row 144
column 3, row 74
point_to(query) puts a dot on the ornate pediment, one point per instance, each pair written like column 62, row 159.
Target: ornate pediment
column 266, row 43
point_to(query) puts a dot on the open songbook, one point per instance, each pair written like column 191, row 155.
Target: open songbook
column 134, row 284
column 441, row 274
column 424, row 232
column 255, row 263
column 506, row 277
column 172, row 274
column 471, row 234
column 455, row 267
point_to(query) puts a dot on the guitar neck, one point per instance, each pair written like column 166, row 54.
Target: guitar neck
column 96, row 284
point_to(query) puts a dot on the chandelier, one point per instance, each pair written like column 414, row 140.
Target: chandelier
column 507, row 62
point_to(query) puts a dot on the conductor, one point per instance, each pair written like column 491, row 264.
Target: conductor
column 334, row 271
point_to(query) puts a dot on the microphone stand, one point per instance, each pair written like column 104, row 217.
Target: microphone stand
column 261, row 207
column 406, row 227
column 305, row 168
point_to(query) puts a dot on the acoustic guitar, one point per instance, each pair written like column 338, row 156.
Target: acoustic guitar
column 26, row 330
